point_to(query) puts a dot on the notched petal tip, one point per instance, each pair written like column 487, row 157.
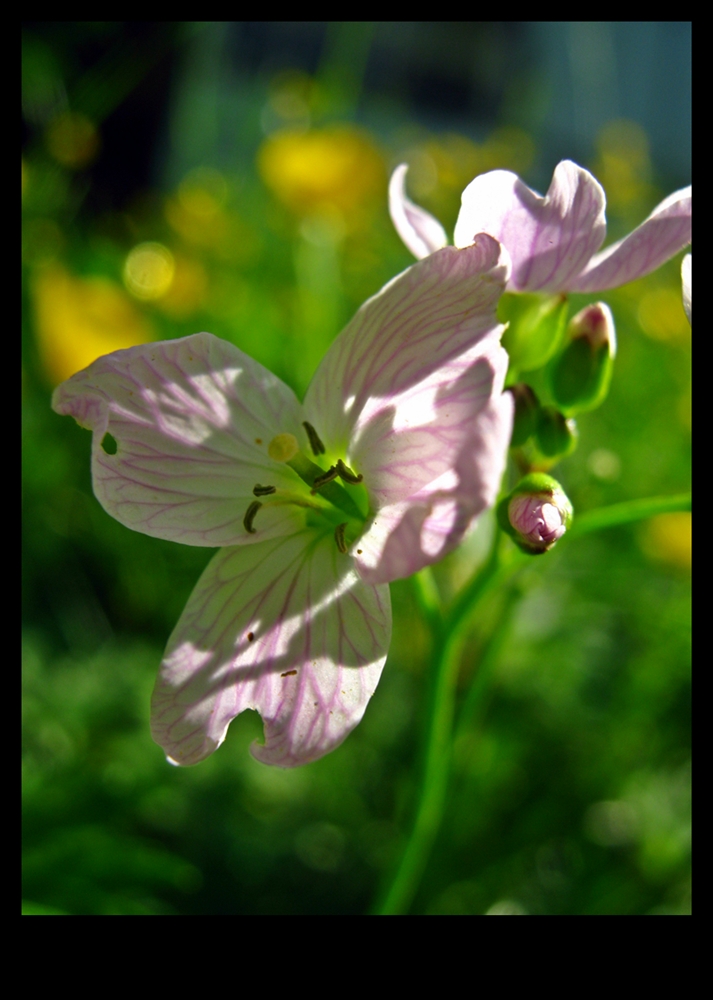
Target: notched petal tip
column 550, row 238
column 285, row 628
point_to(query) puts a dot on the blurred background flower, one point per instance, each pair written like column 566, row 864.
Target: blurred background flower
column 231, row 177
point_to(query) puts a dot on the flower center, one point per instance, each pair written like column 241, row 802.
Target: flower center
column 327, row 501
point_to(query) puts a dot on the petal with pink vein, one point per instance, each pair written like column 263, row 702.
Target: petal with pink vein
column 405, row 536
column 285, row 627
column 192, row 419
column 550, row 239
column 428, row 315
column 666, row 231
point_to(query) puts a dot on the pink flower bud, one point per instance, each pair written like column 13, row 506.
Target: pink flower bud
column 538, row 520
column 596, row 324
column 536, row 514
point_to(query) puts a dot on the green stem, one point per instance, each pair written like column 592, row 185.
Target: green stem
column 438, row 741
column 449, row 636
column 474, row 704
column 625, row 513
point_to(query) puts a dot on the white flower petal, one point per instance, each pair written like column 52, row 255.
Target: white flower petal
column 666, row 231
column 192, row 419
column 428, row 315
column 285, row 627
column 550, row 240
column 404, row 537
column 403, row 443
column 421, row 233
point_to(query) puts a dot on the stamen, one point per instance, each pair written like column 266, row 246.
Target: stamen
column 345, row 473
column 340, row 539
column 263, row 491
column 322, row 480
column 250, row 516
column 317, row 446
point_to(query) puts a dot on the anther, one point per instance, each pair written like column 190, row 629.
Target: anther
column 321, row 481
column 250, row 516
column 317, row 446
column 263, row 491
column 340, row 539
column 345, row 473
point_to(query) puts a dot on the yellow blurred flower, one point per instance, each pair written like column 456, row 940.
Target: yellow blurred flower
column 323, row 170
column 667, row 538
column 79, row 319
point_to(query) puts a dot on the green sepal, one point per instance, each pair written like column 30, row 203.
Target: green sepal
column 580, row 376
column 535, row 330
column 556, row 436
column 527, row 410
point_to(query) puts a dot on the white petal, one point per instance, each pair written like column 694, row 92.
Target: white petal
column 192, row 419
column 666, row 231
column 285, row 627
column 404, row 442
column 406, row 536
column 430, row 314
column 550, row 239
column 421, row 233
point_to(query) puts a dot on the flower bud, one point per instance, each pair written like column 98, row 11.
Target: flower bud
column 536, row 325
column 527, row 407
column 536, row 514
column 580, row 375
column 556, row 437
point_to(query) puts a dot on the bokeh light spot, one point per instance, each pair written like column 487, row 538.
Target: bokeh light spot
column 149, row 270
column 604, row 464
column 203, row 192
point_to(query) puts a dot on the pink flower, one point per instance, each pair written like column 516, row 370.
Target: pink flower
column 399, row 444
column 552, row 241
